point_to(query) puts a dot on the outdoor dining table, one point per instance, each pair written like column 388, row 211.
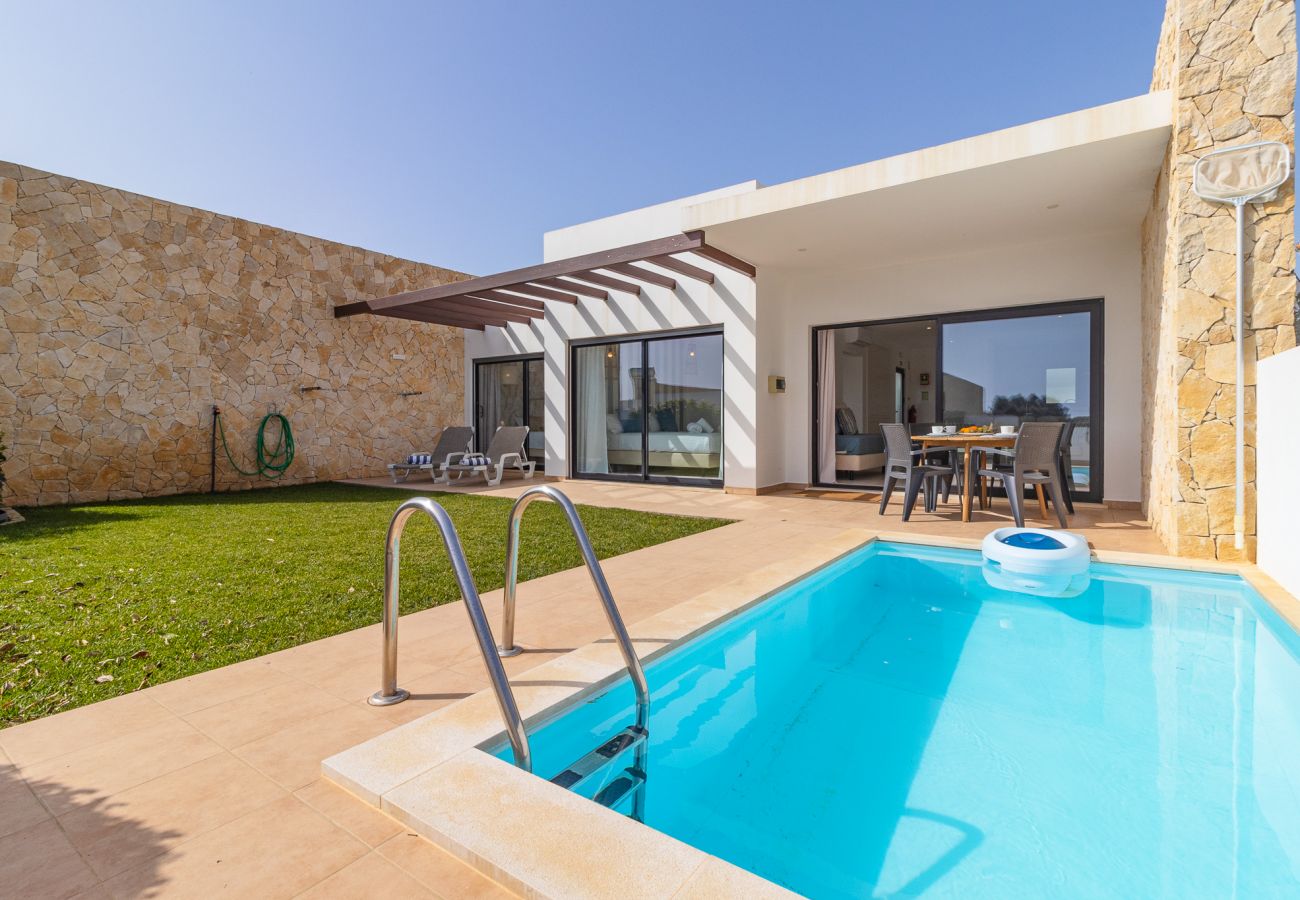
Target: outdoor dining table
column 967, row 443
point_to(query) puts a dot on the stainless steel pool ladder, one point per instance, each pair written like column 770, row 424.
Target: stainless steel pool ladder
column 390, row 693
column 632, row 781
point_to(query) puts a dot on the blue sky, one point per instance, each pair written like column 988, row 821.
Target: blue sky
column 456, row 133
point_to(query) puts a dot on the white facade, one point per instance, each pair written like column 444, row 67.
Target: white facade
column 1279, row 489
column 1103, row 266
column 1043, row 213
column 729, row 303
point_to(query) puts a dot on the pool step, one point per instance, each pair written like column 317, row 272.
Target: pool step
column 593, row 763
column 611, row 795
column 628, row 783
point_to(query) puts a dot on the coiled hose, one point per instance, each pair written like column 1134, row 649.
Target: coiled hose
column 271, row 461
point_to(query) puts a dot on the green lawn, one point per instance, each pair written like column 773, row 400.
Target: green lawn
column 103, row 599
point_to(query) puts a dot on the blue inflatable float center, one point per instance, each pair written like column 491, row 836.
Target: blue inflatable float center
column 1032, row 540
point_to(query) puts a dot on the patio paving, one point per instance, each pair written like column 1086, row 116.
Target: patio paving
column 1105, row 528
column 211, row 784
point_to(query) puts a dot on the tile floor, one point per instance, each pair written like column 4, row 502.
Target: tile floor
column 211, row 784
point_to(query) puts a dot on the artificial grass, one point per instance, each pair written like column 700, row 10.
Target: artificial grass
column 145, row 591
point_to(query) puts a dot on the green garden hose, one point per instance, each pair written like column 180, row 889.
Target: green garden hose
column 271, row 461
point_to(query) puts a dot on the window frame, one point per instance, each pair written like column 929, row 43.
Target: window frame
column 1095, row 306
column 481, row 440
column 645, row 476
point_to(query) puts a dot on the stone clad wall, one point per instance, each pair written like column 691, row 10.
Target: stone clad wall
column 124, row 318
column 1231, row 67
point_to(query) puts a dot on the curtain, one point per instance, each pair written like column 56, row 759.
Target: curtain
column 826, row 406
column 489, row 403
column 591, row 435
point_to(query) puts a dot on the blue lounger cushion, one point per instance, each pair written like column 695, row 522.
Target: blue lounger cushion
column 858, row 444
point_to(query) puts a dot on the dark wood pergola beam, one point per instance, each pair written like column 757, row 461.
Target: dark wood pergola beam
column 509, row 299
column 673, row 264
column 475, row 306
column 520, row 295
column 564, row 284
column 545, row 293
column 725, row 259
column 614, row 284
column 645, row 275
column 678, row 243
column 419, row 315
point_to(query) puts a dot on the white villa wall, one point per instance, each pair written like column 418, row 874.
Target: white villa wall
column 767, row 331
column 729, row 303
column 792, row 301
column 1277, row 437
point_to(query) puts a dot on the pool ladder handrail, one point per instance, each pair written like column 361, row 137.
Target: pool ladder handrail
column 390, row 693
column 612, row 615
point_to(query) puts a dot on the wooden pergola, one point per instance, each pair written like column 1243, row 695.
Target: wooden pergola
column 521, row 295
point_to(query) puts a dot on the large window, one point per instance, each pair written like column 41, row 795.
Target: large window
column 1026, row 367
column 994, row 367
column 509, row 392
column 649, row 409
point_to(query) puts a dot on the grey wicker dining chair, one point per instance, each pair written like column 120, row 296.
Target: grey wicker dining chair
column 1067, row 465
column 940, row 456
column 1034, row 460
column 908, row 465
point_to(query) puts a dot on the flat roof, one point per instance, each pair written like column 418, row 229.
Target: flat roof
column 1085, row 171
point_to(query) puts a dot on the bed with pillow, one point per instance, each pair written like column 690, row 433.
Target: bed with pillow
column 697, row 446
column 856, row 452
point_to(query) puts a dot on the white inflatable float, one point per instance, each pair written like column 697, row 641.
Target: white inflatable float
column 1038, row 561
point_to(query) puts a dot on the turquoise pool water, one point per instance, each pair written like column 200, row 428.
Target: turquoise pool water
column 894, row 727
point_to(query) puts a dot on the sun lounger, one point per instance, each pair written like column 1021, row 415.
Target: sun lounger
column 452, row 441
column 506, row 450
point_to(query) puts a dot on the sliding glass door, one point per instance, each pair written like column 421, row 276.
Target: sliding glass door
column 509, row 392
column 1036, row 364
column 649, row 409
column 869, row 375
column 608, row 412
column 991, row 367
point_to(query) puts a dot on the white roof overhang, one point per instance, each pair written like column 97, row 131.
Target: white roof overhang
column 1084, row 172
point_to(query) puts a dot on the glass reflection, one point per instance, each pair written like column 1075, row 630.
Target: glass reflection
column 684, row 425
column 1024, row 369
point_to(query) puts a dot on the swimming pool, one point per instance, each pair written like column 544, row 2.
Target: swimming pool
column 893, row 726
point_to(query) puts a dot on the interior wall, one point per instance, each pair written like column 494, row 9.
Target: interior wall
column 852, row 373
column 878, row 379
column 1087, row 266
column 916, row 394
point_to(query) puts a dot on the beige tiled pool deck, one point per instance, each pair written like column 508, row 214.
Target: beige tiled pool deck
column 212, row 784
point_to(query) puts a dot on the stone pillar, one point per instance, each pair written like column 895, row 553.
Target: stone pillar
column 1231, row 68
